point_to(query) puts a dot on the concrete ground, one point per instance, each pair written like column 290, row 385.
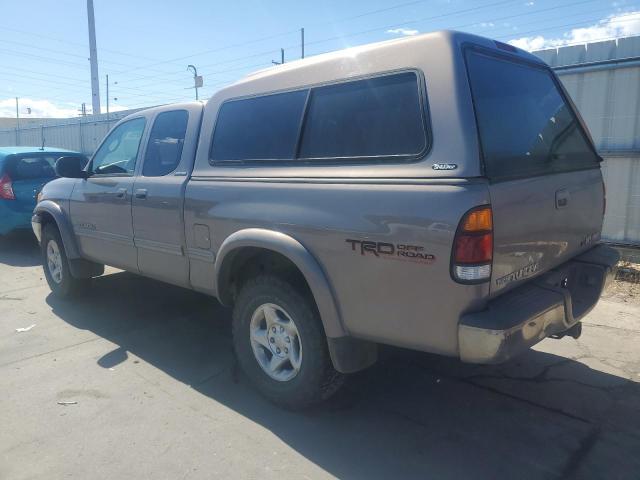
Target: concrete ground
column 158, row 396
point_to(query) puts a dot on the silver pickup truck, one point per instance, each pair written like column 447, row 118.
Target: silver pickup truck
column 437, row 193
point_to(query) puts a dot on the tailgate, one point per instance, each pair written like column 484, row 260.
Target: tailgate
column 546, row 187
column 543, row 221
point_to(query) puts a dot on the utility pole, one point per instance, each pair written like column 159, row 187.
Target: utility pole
column 281, row 58
column 93, row 58
column 17, row 123
column 302, row 41
column 197, row 79
column 107, row 96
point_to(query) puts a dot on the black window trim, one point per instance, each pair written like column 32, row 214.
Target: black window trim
column 89, row 167
column 342, row 161
column 514, row 58
column 148, row 139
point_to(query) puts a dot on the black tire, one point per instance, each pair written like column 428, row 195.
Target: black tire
column 316, row 379
column 68, row 286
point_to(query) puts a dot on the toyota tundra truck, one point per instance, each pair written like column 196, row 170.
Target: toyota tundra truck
column 438, row 193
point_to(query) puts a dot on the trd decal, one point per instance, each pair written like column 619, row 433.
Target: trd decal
column 524, row 272
column 397, row 251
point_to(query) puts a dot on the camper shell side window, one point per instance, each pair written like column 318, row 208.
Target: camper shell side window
column 374, row 119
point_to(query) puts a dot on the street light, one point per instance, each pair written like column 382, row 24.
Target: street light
column 197, row 79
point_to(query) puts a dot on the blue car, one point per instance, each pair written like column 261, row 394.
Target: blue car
column 23, row 172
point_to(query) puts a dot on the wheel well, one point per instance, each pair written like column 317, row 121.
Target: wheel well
column 46, row 218
column 248, row 262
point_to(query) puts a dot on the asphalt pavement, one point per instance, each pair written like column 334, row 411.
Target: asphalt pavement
column 137, row 380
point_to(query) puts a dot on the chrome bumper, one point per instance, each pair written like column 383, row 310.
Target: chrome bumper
column 36, row 226
column 548, row 305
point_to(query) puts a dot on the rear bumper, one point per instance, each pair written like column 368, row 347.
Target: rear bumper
column 548, row 305
column 12, row 219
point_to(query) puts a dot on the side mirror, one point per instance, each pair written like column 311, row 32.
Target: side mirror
column 71, row 167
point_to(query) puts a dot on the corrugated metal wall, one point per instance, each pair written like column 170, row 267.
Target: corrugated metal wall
column 82, row 134
column 83, row 137
column 603, row 80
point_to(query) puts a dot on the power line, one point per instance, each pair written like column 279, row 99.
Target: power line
column 32, row 34
column 60, row 52
column 243, row 67
column 457, row 12
column 420, row 20
column 181, row 73
column 185, row 57
column 567, row 25
column 281, row 34
column 412, row 22
column 72, row 82
column 495, row 32
column 157, row 94
column 297, row 31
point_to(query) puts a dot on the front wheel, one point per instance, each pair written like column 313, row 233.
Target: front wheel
column 281, row 345
column 56, row 265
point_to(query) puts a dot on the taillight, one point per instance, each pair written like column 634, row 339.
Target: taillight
column 472, row 253
column 6, row 188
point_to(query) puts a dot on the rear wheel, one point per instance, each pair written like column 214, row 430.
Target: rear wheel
column 281, row 345
column 56, row 265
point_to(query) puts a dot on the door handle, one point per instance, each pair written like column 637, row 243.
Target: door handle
column 141, row 193
column 121, row 193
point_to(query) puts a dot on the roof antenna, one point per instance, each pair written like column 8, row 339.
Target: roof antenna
column 42, row 136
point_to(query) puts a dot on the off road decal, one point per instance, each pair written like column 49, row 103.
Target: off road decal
column 394, row 251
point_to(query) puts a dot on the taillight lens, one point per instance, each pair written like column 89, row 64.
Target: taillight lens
column 472, row 253
column 6, row 188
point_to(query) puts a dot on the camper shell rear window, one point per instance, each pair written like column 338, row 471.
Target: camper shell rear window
column 525, row 124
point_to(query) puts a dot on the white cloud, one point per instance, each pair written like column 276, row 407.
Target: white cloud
column 487, row 24
column 39, row 109
column 529, row 4
column 614, row 26
column 407, row 32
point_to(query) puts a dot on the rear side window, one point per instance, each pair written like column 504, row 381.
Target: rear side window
column 526, row 128
column 381, row 117
column 366, row 118
column 165, row 143
column 259, row 128
column 32, row 167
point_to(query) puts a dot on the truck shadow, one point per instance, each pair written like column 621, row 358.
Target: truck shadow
column 412, row 415
column 19, row 249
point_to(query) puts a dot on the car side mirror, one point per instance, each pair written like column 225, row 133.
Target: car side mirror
column 71, row 167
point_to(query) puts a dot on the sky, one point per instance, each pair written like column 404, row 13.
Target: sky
column 145, row 45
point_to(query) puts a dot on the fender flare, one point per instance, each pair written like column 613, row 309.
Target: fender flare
column 293, row 250
column 64, row 226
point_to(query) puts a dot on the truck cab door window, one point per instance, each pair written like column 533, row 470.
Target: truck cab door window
column 165, row 143
column 118, row 153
